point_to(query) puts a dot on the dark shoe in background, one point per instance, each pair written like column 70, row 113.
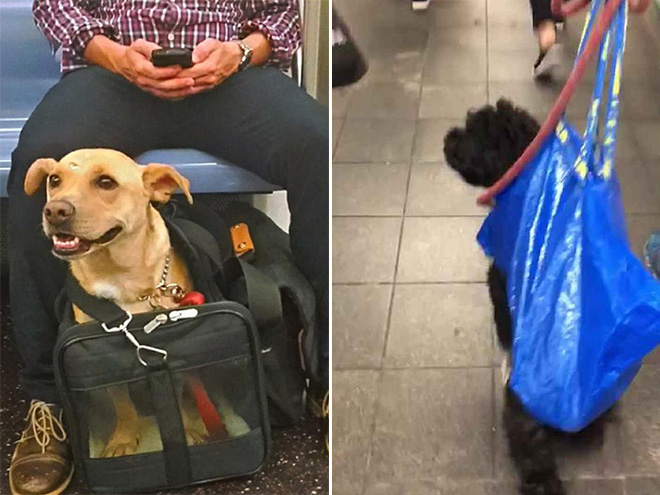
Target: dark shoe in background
column 41, row 464
column 547, row 61
column 348, row 64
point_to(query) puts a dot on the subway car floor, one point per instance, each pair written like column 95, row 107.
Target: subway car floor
column 417, row 394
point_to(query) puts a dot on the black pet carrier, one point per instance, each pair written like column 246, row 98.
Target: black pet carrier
column 177, row 397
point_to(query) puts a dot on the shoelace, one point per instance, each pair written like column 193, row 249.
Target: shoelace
column 43, row 425
column 325, row 408
column 325, row 411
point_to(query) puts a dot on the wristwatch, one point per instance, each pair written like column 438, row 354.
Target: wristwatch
column 247, row 55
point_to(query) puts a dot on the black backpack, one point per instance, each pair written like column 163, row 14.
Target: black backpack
column 209, row 381
column 270, row 285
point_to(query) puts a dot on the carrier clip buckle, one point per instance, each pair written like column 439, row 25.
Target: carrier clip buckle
column 121, row 327
column 139, row 348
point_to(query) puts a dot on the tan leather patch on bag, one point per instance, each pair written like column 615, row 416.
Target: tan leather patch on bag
column 240, row 235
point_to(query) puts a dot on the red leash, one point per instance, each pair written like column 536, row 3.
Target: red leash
column 207, row 411
column 593, row 43
column 565, row 9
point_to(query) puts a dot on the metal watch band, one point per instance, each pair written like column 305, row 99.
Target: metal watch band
column 247, row 55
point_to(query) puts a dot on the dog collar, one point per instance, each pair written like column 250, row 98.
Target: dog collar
column 163, row 289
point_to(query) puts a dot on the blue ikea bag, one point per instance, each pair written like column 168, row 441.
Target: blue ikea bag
column 585, row 309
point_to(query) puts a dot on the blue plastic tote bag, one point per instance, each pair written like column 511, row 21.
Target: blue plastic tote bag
column 585, row 309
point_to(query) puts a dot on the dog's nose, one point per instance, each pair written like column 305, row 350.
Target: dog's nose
column 58, row 212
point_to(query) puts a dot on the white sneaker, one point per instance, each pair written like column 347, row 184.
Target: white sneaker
column 547, row 61
column 419, row 4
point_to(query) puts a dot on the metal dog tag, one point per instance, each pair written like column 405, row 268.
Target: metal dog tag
column 155, row 323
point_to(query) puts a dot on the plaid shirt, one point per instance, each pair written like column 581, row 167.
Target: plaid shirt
column 69, row 25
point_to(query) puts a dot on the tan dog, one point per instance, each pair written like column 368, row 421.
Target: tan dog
column 100, row 218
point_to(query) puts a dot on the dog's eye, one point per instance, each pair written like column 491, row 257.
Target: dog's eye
column 54, row 181
column 106, row 182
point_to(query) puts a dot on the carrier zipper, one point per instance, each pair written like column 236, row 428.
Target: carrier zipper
column 182, row 314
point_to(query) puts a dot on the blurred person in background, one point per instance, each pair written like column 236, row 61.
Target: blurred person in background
column 545, row 27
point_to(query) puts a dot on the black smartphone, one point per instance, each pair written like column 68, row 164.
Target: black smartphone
column 166, row 57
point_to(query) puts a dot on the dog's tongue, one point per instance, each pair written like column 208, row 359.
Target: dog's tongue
column 66, row 242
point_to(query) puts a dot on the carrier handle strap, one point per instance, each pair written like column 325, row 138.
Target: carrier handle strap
column 592, row 44
column 99, row 309
column 170, row 425
column 263, row 295
column 201, row 238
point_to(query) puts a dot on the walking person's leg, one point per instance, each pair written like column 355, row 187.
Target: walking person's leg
column 543, row 21
column 261, row 120
column 88, row 108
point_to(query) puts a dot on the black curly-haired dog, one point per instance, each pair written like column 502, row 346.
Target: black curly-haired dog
column 481, row 152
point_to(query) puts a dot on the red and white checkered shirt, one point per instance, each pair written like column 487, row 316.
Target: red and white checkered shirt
column 69, row 25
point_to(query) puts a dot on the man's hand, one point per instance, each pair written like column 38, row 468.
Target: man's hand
column 134, row 63
column 214, row 62
column 165, row 82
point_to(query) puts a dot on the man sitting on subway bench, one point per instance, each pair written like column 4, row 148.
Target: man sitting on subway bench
column 234, row 102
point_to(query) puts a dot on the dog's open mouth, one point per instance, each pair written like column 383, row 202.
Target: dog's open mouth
column 69, row 244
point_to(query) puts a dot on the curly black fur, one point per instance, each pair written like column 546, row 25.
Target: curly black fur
column 481, row 152
column 497, row 290
column 492, row 140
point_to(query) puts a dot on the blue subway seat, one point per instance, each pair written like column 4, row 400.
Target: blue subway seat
column 207, row 173
column 28, row 70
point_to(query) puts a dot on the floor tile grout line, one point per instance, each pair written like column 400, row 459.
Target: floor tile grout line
column 493, row 438
column 335, row 145
column 494, row 367
column 372, row 433
column 494, row 422
column 422, row 282
column 420, row 216
column 396, row 269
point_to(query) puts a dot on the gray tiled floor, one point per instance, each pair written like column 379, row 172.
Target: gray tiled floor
column 417, row 389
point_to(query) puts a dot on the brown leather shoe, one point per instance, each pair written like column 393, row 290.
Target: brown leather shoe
column 41, row 464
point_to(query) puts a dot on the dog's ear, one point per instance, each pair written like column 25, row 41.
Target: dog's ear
column 37, row 172
column 461, row 154
column 160, row 181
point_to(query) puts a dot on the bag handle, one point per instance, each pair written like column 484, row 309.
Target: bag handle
column 606, row 166
column 113, row 319
column 564, row 8
column 263, row 295
column 584, row 162
column 103, row 310
column 554, row 116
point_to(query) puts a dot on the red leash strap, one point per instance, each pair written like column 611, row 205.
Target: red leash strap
column 210, row 416
column 565, row 9
column 207, row 411
column 593, row 43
